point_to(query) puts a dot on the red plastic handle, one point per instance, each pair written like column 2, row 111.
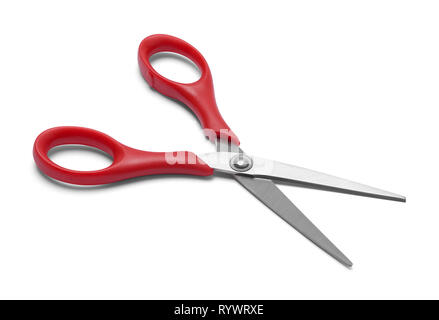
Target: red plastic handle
column 127, row 162
column 198, row 95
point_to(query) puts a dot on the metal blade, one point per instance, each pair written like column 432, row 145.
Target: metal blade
column 267, row 192
column 263, row 168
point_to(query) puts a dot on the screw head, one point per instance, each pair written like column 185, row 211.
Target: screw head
column 241, row 162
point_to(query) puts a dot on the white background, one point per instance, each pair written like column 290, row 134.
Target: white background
column 345, row 87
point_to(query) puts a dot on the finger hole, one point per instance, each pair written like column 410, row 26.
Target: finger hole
column 175, row 67
column 80, row 157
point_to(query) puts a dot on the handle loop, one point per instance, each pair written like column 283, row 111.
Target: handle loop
column 127, row 162
column 198, row 95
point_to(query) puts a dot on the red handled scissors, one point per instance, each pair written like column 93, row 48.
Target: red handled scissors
column 255, row 174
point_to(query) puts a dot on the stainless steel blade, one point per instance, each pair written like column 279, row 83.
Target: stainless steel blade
column 263, row 168
column 267, row 192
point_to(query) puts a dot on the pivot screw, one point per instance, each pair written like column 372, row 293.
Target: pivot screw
column 241, row 162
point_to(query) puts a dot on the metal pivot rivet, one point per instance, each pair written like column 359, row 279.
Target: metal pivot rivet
column 241, row 163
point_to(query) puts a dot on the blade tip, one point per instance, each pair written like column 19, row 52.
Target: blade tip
column 347, row 263
column 343, row 260
column 400, row 198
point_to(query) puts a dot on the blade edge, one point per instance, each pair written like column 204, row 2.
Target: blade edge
column 298, row 176
column 270, row 195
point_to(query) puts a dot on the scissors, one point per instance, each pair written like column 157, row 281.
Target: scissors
column 253, row 173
